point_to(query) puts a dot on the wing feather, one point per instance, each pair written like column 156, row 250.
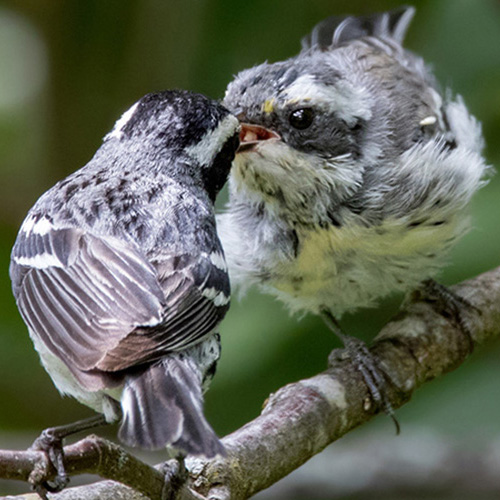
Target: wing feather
column 83, row 308
column 100, row 305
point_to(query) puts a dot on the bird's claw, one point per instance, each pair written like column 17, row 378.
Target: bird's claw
column 450, row 304
column 176, row 475
column 365, row 362
column 51, row 443
column 374, row 377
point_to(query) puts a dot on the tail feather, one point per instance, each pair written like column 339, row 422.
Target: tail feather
column 163, row 406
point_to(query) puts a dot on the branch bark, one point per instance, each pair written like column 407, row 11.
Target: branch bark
column 92, row 455
column 302, row 418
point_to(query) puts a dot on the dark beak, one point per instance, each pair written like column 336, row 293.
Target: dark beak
column 251, row 135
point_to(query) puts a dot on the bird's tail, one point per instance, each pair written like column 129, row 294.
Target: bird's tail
column 163, row 405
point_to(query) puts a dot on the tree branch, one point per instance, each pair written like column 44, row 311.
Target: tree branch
column 92, row 455
column 301, row 419
column 420, row 463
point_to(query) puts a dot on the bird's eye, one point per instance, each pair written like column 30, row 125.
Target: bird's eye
column 301, row 118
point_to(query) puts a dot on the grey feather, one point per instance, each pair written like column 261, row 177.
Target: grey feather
column 335, row 31
column 167, row 392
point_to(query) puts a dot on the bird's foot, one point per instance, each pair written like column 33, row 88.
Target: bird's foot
column 373, row 375
column 176, row 475
column 51, row 442
column 450, row 304
column 366, row 363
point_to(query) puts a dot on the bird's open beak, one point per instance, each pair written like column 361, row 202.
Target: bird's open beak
column 251, row 135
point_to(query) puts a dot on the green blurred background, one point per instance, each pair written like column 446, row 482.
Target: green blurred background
column 69, row 68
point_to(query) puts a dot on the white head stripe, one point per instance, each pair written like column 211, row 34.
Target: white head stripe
column 122, row 121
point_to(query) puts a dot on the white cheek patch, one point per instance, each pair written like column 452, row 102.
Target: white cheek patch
column 348, row 102
column 205, row 150
column 122, row 121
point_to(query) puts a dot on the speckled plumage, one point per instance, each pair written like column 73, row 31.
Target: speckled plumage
column 368, row 198
column 120, row 276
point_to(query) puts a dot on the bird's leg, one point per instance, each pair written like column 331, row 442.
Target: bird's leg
column 366, row 363
column 176, row 476
column 449, row 304
column 51, row 442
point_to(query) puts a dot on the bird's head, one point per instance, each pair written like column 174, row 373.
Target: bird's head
column 301, row 122
column 180, row 133
column 313, row 124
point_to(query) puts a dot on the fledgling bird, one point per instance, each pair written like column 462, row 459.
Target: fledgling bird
column 353, row 174
column 120, row 276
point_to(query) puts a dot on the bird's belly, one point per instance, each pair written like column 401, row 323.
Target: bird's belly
column 67, row 384
column 347, row 268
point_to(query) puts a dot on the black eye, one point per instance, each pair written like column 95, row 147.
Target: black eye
column 301, row 118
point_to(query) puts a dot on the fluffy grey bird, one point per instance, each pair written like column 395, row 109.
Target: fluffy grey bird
column 120, row 276
column 353, row 174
